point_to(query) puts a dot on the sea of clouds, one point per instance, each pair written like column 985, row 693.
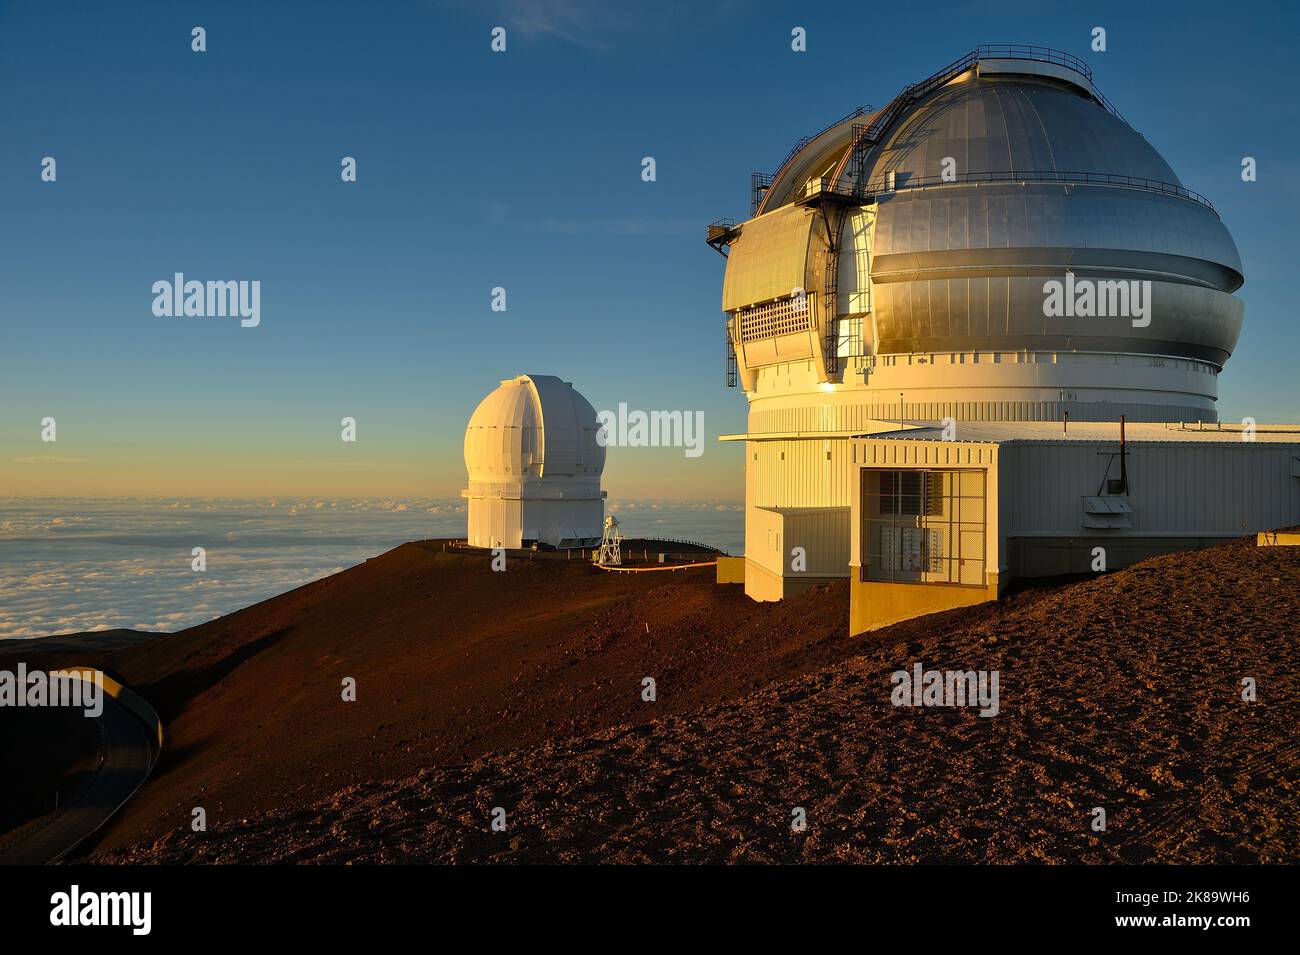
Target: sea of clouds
column 72, row 565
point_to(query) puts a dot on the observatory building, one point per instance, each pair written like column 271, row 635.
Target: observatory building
column 895, row 274
column 534, row 467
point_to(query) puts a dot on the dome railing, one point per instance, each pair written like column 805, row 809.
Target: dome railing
column 1010, row 51
column 761, row 181
column 1040, row 54
column 1043, row 54
column 805, row 140
column 867, row 191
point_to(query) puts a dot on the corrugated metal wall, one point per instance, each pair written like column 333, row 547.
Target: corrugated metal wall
column 799, row 473
column 1186, row 488
column 874, row 410
column 769, row 259
column 824, row 536
column 771, row 536
column 924, row 454
column 819, row 472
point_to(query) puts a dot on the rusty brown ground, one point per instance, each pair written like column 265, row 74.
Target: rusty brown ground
column 522, row 690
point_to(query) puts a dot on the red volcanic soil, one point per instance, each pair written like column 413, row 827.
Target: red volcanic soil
column 451, row 660
column 522, row 690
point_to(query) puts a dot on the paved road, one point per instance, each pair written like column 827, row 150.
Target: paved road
column 127, row 761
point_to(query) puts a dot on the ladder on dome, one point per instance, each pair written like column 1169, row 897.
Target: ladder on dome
column 732, row 369
column 761, row 182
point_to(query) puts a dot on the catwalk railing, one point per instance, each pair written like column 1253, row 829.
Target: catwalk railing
column 881, row 185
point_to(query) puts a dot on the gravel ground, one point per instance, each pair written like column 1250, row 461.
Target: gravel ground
column 1123, row 692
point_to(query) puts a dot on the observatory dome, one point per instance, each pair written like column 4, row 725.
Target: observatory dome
column 923, row 235
column 534, row 466
column 1096, row 200
column 996, row 243
column 530, row 427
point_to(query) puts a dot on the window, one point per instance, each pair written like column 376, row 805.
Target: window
column 913, row 493
column 923, row 526
column 858, row 232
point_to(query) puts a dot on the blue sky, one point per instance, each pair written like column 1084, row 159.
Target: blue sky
column 478, row 170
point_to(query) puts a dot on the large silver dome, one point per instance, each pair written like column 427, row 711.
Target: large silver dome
column 978, row 230
column 1000, row 122
column 929, row 228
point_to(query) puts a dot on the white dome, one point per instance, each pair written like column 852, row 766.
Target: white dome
column 532, row 427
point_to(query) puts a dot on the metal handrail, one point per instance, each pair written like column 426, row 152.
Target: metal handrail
column 846, row 187
column 1037, row 54
column 760, row 181
column 1042, row 54
column 679, row 540
column 805, row 140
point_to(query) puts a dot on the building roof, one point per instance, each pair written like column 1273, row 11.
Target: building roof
column 1014, row 432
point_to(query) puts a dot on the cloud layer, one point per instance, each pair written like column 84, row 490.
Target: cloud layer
column 72, row 565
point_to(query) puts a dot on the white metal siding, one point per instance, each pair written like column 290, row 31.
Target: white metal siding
column 806, row 477
column 1190, row 489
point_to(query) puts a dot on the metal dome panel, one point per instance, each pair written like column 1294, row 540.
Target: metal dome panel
column 911, row 264
column 530, row 427
column 1005, row 123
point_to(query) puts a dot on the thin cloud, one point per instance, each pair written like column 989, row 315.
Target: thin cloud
column 594, row 25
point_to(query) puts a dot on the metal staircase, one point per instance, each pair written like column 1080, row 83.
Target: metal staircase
column 732, row 370
column 760, row 182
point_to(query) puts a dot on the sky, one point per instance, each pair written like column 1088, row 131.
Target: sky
column 477, row 170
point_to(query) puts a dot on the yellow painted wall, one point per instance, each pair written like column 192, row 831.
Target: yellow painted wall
column 731, row 570
column 761, row 583
column 1277, row 539
column 874, row 604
